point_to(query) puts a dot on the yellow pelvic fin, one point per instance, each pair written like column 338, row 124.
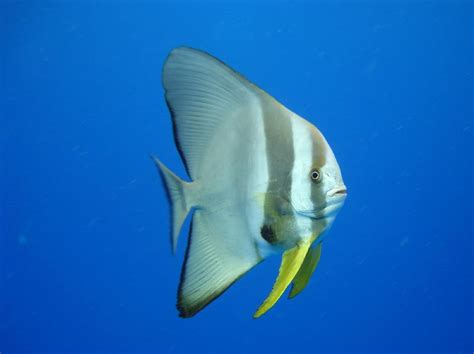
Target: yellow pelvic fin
column 290, row 264
column 304, row 274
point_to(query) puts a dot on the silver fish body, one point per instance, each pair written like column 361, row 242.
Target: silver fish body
column 264, row 180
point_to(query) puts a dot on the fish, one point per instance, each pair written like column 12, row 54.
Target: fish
column 263, row 181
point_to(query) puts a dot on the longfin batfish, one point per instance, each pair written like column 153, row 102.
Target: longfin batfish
column 264, row 181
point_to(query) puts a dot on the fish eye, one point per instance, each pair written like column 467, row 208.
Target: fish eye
column 315, row 175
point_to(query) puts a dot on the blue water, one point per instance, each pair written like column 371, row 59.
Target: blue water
column 85, row 262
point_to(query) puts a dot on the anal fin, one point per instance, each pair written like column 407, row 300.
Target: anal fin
column 218, row 254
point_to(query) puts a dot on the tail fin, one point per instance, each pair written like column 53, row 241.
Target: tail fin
column 176, row 190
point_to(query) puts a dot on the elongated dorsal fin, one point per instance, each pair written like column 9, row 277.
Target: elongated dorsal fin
column 201, row 92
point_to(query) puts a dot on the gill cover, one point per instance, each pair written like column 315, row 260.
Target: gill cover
column 290, row 264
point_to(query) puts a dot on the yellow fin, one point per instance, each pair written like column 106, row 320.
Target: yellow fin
column 304, row 274
column 260, row 198
column 290, row 264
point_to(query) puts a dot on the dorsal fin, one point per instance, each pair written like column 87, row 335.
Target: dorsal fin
column 201, row 92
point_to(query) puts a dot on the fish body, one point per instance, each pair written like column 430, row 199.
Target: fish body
column 264, row 181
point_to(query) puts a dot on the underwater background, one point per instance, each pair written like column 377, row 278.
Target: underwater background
column 85, row 259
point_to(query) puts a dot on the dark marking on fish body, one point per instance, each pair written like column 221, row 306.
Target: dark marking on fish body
column 268, row 234
column 280, row 157
column 318, row 197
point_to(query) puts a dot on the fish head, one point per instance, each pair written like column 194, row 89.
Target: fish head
column 318, row 190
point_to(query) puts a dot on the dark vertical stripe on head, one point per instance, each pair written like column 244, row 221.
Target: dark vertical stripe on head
column 318, row 196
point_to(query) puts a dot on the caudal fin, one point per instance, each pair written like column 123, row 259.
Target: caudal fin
column 176, row 190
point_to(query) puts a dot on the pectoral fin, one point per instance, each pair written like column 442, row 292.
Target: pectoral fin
column 290, row 264
column 304, row 274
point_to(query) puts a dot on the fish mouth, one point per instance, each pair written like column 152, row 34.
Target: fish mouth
column 338, row 191
column 335, row 201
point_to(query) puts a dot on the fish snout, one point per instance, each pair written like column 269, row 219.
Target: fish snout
column 339, row 191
